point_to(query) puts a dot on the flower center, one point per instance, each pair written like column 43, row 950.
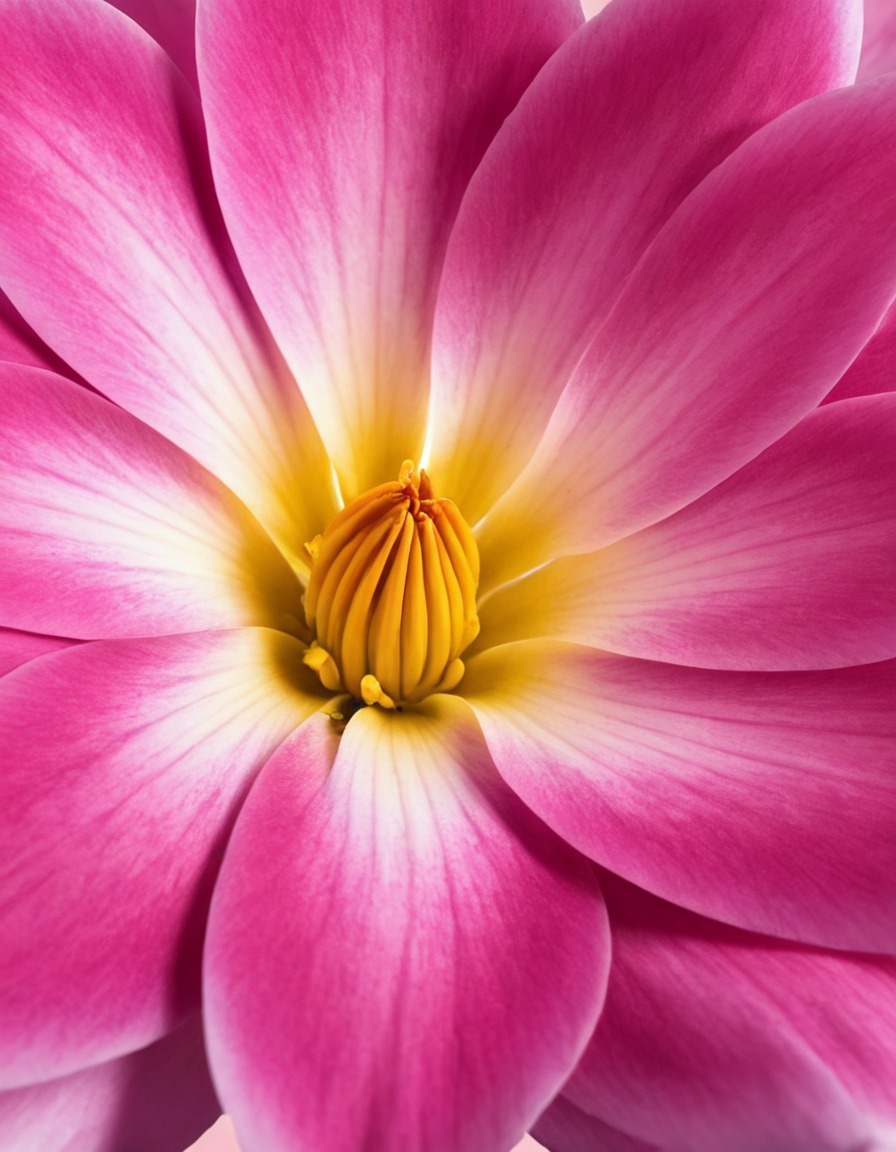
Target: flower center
column 392, row 594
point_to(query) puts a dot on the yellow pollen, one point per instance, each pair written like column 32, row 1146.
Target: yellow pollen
column 391, row 597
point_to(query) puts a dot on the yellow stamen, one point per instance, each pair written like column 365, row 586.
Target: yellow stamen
column 392, row 594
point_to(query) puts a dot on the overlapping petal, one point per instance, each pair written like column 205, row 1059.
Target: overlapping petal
column 158, row 1099
column 112, row 248
column 110, row 530
column 787, row 565
column 765, row 800
column 875, row 369
column 17, row 648
column 879, row 39
column 713, row 1038
column 565, row 1128
column 399, row 954
column 733, row 327
column 620, row 125
column 342, row 138
column 171, row 23
column 124, row 763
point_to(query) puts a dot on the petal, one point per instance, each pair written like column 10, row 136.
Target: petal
column 400, row 956
column 171, row 23
column 879, row 40
column 732, row 328
column 112, row 249
column 340, row 176
column 618, row 127
column 875, row 369
column 716, row 1039
column 156, row 1100
column 109, row 530
column 765, row 800
column 17, row 648
column 18, row 344
column 566, row 1128
column 124, row 765
column 787, row 565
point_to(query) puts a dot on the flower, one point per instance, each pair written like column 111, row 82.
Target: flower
column 563, row 761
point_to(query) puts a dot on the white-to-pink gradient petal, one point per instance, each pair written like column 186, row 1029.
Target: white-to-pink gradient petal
column 159, row 1099
column 112, row 248
column 110, row 530
column 17, row 648
column 879, row 39
column 734, row 325
column 875, row 369
column 618, row 127
column 565, row 1128
column 787, row 565
column 343, row 134
column 171, row 23
column 124, row 764
column 716, row 1039
column 767, row 800
column 400, row 956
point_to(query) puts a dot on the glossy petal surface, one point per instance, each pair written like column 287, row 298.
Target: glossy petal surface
column 124, row 765
column 765, row 800
column 343, row 135
column 111, row 530
column 400, row 955
column 158, row 1099
column 732, row 328
column 620, row 125
column 713, row 1038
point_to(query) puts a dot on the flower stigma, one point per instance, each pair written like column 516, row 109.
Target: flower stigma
column 391, row 597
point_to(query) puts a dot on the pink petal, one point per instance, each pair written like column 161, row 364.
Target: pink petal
column 124, row 765
column 400, row 956
column 716, row 1039
column 17, row 648
column 156, row 1100
column 343, row 134
column 171, row 23
column 787, row 565
column 566, row 1128
column 879, row 39
column 19, row 345
column 112, row 248
column 875, row 369
column 734, row 325
column 619, row 126
column 765, row 800
column 109, row 530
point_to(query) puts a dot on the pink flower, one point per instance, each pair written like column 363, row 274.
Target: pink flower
column 577, row 760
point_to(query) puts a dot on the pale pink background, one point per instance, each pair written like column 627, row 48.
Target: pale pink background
column 221, row 1139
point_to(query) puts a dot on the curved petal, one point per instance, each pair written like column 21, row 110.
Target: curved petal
column 713, row 1038
column 171, row 23
column 19, row 345
column 732, row 328
column 765, row 800
column 124, row 765
column 159, row 1099
column 17, row 648
column 109, row 530
column 400, row 956
column 618, row 127
column 112, row 248
column 340, row 178
column 786, row 565
column 879, row 39
column 875, row 368
column 566, row 1128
